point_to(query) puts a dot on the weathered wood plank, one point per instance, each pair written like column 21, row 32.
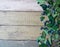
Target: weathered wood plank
column 20, row 32
column 4, row 43
column 18, row 0
column 19, row 5
column 20, row 18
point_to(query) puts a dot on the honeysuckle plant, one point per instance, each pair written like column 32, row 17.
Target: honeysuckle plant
column 51, row 29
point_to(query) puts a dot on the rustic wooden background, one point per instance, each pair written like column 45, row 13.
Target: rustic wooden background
column 20, row 19
column 20, row 25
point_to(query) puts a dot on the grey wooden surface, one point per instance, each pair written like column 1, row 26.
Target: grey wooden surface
column 19, row 23
column 20, row 18
column 20, row 32
column 19, row 5
column 4, row 43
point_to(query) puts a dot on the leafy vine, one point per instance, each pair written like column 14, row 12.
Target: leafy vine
column 52, row 26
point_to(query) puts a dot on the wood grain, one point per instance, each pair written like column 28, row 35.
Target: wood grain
column 20, row 0
column 19, row 5
column 20, row 25
column 20, row 32
column 20, row 18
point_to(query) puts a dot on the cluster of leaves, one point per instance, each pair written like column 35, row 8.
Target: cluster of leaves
column 52, row 26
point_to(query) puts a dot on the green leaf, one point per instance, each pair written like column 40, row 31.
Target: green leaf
column 49, row 25
column 55, row 27
column 51, row 19
column 58, row 5
column 56, row 36
column 42, row 18
column 39, row 38
column 50, row 40
column 50, row 2
column 43, row 35
column 45, row 41
column 43, row 45
column 57, row 2
column 41, row 1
